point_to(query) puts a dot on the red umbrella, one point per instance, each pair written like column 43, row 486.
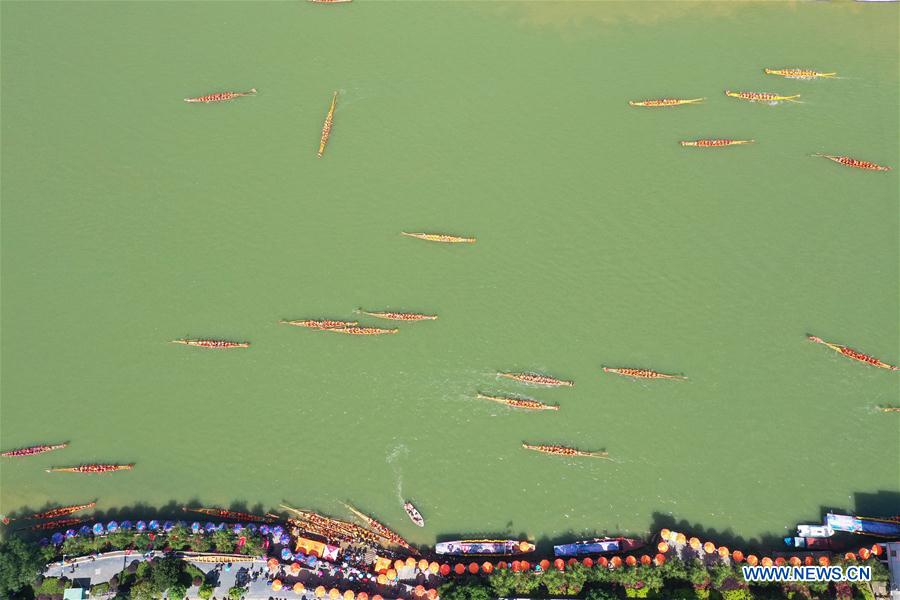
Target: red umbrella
column 545, row 564
column 487, row 567
column 779, row 561
column 559, row 564
column 630, row 561
column 646, row 560
column 616, row 562
column 445, row 570
column 850, row 556
column 502, row 564
column 602, row 561
column 877, row 549
column 659, row 560
column 572, row 561
column 524, row 565
column 662, row 547
column 737, row 556
column 516, row 566
column 473, row 568
column 459, row 568
column 588, row 562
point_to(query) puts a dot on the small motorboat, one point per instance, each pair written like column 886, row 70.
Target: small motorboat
column 810, row 543
column 414, row 515
column 815, row 531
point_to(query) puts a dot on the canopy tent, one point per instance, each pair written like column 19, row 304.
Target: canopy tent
column 310, row 547
column 331, row 553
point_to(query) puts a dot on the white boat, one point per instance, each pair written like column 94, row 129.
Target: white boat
column 414, row 515
column 814, row 531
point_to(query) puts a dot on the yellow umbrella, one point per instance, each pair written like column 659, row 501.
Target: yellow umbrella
column 348, row 595
column 398, row 564
column 680, row 539
column 695, row 543
column 391, row 574
column 410, row 562
column 334, row 594
column 382, row 579
column 320, row 591
column 299, row 588
column 423, row 565
column 276, row 585
column 434, row 567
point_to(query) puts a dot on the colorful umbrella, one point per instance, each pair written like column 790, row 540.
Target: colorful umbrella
column 320, row 591
column 112, row 526
column 299, row 588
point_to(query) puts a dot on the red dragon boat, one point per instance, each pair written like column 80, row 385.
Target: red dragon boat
column 565, row 451
column 229, row 514
column 53, row 513
column 220, row 97
column 320, row 324
column 518, row 402
column 399, row 316
column 855, row 355
column 33, row 450
column 719, row 143
column 642, row 373
column 852, row 162
column 326, row 127
column 537, row 379
column 220, row 344
column 58, row 524
column 96, row 468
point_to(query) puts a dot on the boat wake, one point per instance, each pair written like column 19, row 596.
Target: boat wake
column 399, row 451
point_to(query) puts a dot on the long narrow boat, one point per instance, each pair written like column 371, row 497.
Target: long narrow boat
column 361, row 330
column 329, row 1
column 605, row 545
column 221, row 96
column 484, row 547
column 761, row 96
column 664, row 102
column 321, row 324
column 855, row 355
column 895, row 409
column 796, row 73
column 380, row 528
column 537, row 379
column 414, row 515
column 642, row 373
column 326, row 127
column 852, row 162
column 565, row 451
column 53, row 513
column 34, row 450
column 229, row 514
column 220, row 344
column 399, row 316
column 58, row 524
column 440, row 237
column 218, row 558
column 717, row 143
column 519, row 402
column 333, row 529
column 91, row 469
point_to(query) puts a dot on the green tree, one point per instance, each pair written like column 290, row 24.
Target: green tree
column 223, row 540
column 527, row 583
column 20, row 564
column 143, row 590
column 177, row 592
column 99, row 589
column 576, row 576
column 555, row 582
column 236, row 593
column 206, row 591
column 199, row 543
column 253, row 544
column 165, row 573
column 178, row 537
column 502, row 582
column 601, row 594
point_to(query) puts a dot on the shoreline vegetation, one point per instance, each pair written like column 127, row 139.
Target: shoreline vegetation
column 686, row 570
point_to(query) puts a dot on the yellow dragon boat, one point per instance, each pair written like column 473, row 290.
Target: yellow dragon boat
column 399, row 316
column 895, row 409
column 326, row 128
column 440, row 237
column 537, row 379
column 799, row 73
column 361, row 330
column 642, row 373
column 660, row 102
column 853, row 162
column 518, row 402
column 761, row 96
column 719, row 143
column 319, row 324
column 381, row 529
column 565, row 451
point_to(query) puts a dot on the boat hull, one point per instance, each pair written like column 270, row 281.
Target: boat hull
column 483, row 548
column 597, row 546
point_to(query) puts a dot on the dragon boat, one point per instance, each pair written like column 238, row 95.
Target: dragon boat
column 361, row 330
column 414, row 515
column 381, row 529
column 642, row 373
column 518, row 402
column 91, row 468
column 329, row 1
column 854, row 354
column 321, row 324
column 799, row 73
column 326, row 127
column 219, row 344
column 895, row 409
column 440, row 237
column 53, row 513
column 57, row 524
column 398, row 316
column 565, row 451
column 717, row 143
column 34, row 450
column 761, row 96
column 221, row 97
column 605, row 545
column 852, row 162
column 664, row 102
column 484, row 548
column 537, row 379
column 229, row 514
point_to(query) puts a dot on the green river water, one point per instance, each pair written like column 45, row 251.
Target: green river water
column 130, row 218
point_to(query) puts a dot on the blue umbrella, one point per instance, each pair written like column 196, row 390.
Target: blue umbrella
column 56, row 538
column 210, row 526
column 168, row 525
column 221, row 526
column 285, row 539
column 141, row 526
column 311, row 560
column 154, row 525
column 252, row 527
column 112, row 526
column 264, row 529
column 98, row 528
column 238, row 528
column 276, row 533
column 286, row 554
column 85, row 530
column 195, row 526
column 70, row 533
column 126, row 525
